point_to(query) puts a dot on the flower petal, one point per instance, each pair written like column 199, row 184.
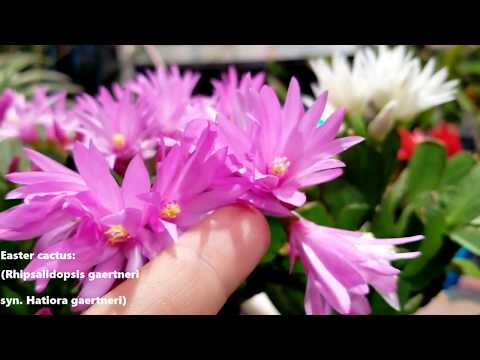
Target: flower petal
column 135, row 183
column 94, row 169
column 100, row 286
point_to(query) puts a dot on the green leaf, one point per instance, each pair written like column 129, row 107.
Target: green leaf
column 457, row 168
column 23, row 71
column 425, row 168
column 280, row 89
column 431, row 276
column 278, row 239
column 12, row 64
column 340, row 193
column 51, row 87
column 426, row 119
column 363, row 160
column 389, row 150
column 464, row 203
column 423, row 203
column 39, row 75
column 467, row 267
column 465, row 103
column 357, row 123
column 469, row 68
column 468, row 237
column 288, row 300
column 396, row 192
column 413, row 304
column 476, row 221
column 452, row 55
column 10, row 148
column 430, row 246
column 352, row 216
column 316, row 212
column 404, row 219
column 384, row 224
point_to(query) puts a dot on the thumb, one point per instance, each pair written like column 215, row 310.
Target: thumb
column 198, row 273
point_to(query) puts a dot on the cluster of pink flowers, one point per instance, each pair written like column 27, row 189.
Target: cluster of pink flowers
column 26, row 119
column 248, row 147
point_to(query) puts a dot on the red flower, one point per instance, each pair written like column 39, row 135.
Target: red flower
column 448, row 135
column 408, row 142
column 445, row 133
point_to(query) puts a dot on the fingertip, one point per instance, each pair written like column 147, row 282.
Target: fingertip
column 248, row 224
column 201, row 270
column 232, row 240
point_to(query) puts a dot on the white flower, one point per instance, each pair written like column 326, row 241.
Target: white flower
column 424, row 90
column 388, row 79
column 260, row 304
column 339, row 77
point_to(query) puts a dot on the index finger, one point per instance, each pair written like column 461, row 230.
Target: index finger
column 200, row 272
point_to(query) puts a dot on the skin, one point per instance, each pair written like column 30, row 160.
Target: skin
column 461, row 299
column 199, row 273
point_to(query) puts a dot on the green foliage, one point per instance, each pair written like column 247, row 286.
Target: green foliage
column 287, row 301
column 22, row 71
column 464, row 201
column 467, row 267
column 364, row 160
column 315, row 211
column 433, row 195
column 434, row 236
column 425, row 169
column 278, row 239
column 9, row 149
column 357, row 123
column 468, row 237
column 456, row 169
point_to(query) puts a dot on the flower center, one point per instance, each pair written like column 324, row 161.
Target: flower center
column 116, row 234
column 280, row 166
column 171, row 210
column 118, row 141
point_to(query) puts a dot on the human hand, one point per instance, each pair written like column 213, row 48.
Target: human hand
column 198, row 273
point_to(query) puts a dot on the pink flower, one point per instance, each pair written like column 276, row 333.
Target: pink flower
column 168, row 95
column 110, row 227
column 180, row 195
column 283, row 149
column 6, row 100
column 45, row 311
column 226, row 90
column 341, row 265
column 22, row 118
column 88, row 214
column 119, row 126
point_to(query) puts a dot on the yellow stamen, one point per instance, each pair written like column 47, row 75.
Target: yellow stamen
column 280, row 166
column 116, row 234
column 171, row 210
column 118, row 141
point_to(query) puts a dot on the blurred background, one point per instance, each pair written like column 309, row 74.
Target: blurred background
column 91, row 66
column 94, row 65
